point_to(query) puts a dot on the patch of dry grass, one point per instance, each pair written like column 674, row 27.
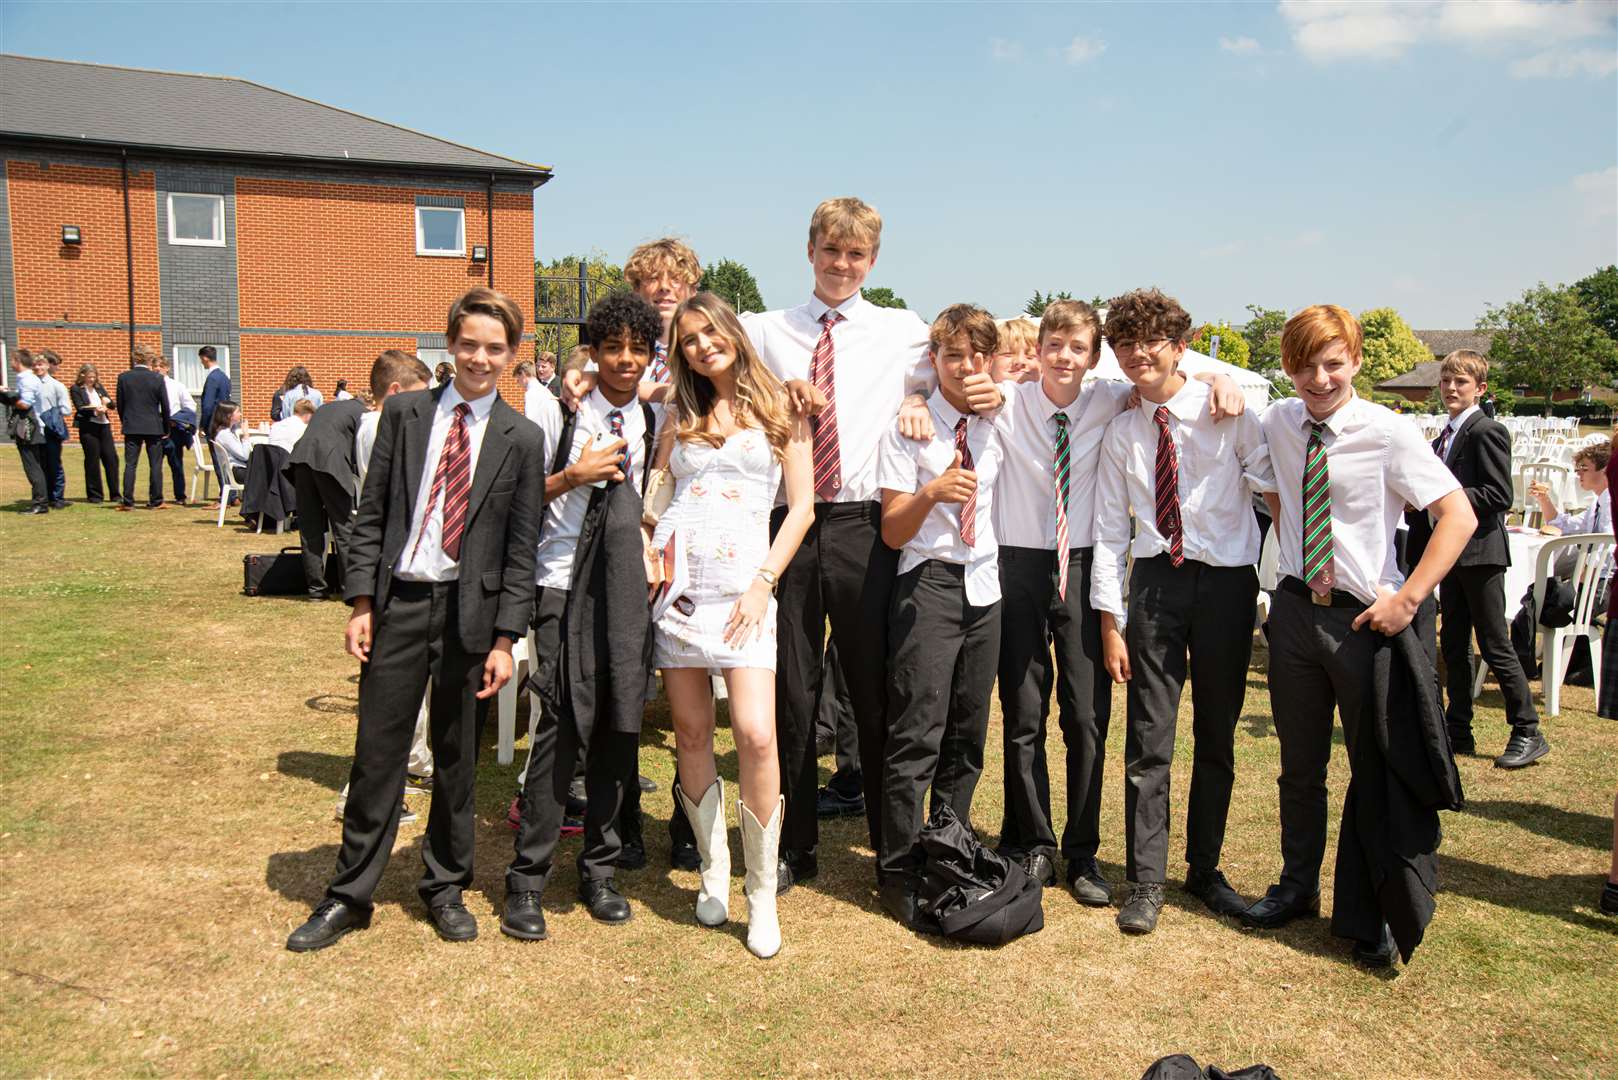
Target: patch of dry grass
column 174, row 749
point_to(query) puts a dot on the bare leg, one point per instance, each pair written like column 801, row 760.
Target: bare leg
column 752, row 723
column 691, row 702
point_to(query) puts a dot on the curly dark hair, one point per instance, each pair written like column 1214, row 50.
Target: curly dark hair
column 1145, row 314
column 624, row 310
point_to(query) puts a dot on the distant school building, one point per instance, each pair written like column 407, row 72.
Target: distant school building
column 188, row 210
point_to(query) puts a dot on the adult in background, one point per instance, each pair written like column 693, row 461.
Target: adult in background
column 22, row 421
column 181, row 428
column 92, row 419
column 340, row 392
column 54, row 407
column 443, row 373
column 215, row 387
column 299, row 386
column 230, row 449
column 143, row 412
column 321, row 469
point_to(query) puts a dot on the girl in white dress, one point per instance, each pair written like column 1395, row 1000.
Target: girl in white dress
column 732, row 439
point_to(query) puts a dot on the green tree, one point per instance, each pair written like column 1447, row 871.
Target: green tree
column 1599, row 295
column 733, row 281
column 556, row 294
column 1390, row 348
column 1036, row 306
column 1263, row 334
column 1547, row 341
column 1232, row 345
column 883, row 298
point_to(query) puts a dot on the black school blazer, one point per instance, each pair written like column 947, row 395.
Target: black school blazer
column 502, row 522
column 1481, row 460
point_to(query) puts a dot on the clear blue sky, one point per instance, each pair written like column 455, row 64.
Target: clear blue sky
column 1428, row 156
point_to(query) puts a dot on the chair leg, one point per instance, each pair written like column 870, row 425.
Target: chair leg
column 1479, row 670
column 1552, row 668
column 1595, row 661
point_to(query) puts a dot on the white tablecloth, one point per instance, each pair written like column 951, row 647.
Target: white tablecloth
column 1524, row 547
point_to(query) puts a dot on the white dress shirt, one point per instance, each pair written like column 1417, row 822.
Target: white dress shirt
column 179, row 396
column 1221, row 465
column 905, row 465
column 364, row 441
column 55, row 396
column 879, row 356
column 286, row 432
column 95, row 401
column 564, row 517
column 236, row 451
column 423, row 558
column 1025, row 506
column 1377, row 462
column 1449, row 430
column 30, row 388
column 532, row 396
column 1595, row 518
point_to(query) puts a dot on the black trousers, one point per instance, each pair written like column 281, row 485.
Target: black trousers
column 55, row 478
column 1473, row 599
column 842, row 572
column 152, row 446
column 100, row 455
column 609, row 763
column 325, row 504
column 834, row 722
column 33, row 467
column 416, row 639
column 1206, row 612
column 1035, row 618
column 941, row 653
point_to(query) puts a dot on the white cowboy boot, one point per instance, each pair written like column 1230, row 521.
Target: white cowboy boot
column 760, row 845
column 708, row 822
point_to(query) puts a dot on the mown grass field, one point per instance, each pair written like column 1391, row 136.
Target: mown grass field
column 173, row 749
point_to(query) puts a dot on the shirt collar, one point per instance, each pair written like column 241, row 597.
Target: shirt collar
column 452, row 397
column 946, row 415
column 849, row 308
column 1048, row 408
column 1337, row 422
column 601, row 406
column 1455, row 422
column 1187, row 403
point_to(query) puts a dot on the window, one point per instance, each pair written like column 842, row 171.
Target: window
column 440, row 230
column 188, row 369
column 198, row 220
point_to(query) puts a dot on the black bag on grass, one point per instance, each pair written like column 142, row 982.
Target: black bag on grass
column 971, row 893
column 281, row 574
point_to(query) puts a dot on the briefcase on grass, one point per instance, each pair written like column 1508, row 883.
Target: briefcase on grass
column 281, row 574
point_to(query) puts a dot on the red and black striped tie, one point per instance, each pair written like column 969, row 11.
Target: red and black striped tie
column 453, row 482
column 1168, row 489
column 828, row 455
column 969, row 509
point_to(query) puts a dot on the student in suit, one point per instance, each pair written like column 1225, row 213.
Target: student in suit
column 1473, row 596
column 441, row 578
column 91, row 408
column 143, row 412
column 1347, row 468
column 215, row 384
column 27, row 433
column 1189, row 479
column 321, row 467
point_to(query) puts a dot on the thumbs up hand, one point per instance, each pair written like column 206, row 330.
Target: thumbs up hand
column 956, row 485
column 981, row 393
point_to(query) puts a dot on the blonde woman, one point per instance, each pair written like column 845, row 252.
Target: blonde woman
column 731, row 440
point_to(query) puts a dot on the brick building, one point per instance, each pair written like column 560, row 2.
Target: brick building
column 188, row 210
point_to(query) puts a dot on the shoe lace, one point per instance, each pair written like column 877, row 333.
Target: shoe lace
column 1144, row 890
column 325, row 907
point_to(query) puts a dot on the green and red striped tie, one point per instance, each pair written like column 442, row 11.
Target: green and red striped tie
column 1317, row 549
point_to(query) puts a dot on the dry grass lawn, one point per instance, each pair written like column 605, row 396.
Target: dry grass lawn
column 172, row 753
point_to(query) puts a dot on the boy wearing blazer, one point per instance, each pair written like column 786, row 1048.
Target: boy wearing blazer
column 441, row 579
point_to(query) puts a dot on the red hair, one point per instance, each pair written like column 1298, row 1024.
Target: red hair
column 1312, row 329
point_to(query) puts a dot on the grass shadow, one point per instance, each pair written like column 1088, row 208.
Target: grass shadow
column 328, row 770
column 1568, row 826
column 1558, row 895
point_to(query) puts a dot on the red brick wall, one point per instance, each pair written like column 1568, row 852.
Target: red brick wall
column 86, row 282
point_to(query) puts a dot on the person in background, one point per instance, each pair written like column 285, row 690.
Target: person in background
column 1607, row 706
column 215, row 387
column 545, row 372
column 225, row 436
column 181, row 429
column 27, row 432
column 92, row 419
column 533, row 391
column 1016, row 356
column 143, row 413
column 321, row 468
column 55, row 406
column 286, row 432
column 443, row 373
column 341, row 392
column 299, row 386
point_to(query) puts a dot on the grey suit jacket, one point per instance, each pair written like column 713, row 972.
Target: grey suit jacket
column 327, row 444
column 496, row 584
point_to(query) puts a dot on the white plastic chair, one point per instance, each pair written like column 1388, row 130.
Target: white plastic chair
column 204, row 468
column 1591, row 552
column 1552, row 473
column 227, row 487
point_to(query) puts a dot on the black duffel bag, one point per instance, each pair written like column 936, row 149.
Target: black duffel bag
column 971, row 893
column 281, row 574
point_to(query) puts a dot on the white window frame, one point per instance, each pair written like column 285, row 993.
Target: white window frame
column 223, row 358
column 421, row 234
column 218, row 219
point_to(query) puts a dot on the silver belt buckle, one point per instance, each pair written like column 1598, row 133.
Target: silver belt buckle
column 1321, row 600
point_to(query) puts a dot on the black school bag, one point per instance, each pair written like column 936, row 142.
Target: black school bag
column 971, row 893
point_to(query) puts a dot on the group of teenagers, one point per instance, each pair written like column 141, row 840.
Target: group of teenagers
column 717, row 489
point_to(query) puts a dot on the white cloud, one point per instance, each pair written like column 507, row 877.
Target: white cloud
column 1599, row 192
column 1241, row 46
column 1006, row 51
column 1328, row 30
column 1528, row 21
column 1566, row 64
column 1081, row 50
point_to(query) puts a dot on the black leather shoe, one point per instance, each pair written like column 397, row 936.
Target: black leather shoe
column 831, row 803
column 1522, row 750
column 453, row 922
column 898, row 898
column 683, row 855
column 37, row 510
column 1089, row 887
column 1040, row 868
column 1609, row 899
column 1375, row 954
column 330, row 921
column 523, row 918
column 647, row 785
column 1279, row 906
column 1213, row 889
column 1140, row 910
column 1461, row 742
column 793, row 867
column 605, row 902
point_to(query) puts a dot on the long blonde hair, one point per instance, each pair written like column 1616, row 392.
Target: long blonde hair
column 761, row 399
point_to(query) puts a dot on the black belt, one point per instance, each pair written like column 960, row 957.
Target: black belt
column 415, row 590
column 1337, row 597
column 1012, row 554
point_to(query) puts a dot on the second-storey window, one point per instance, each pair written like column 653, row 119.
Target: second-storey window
column 197, row 219
column 440, row 231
